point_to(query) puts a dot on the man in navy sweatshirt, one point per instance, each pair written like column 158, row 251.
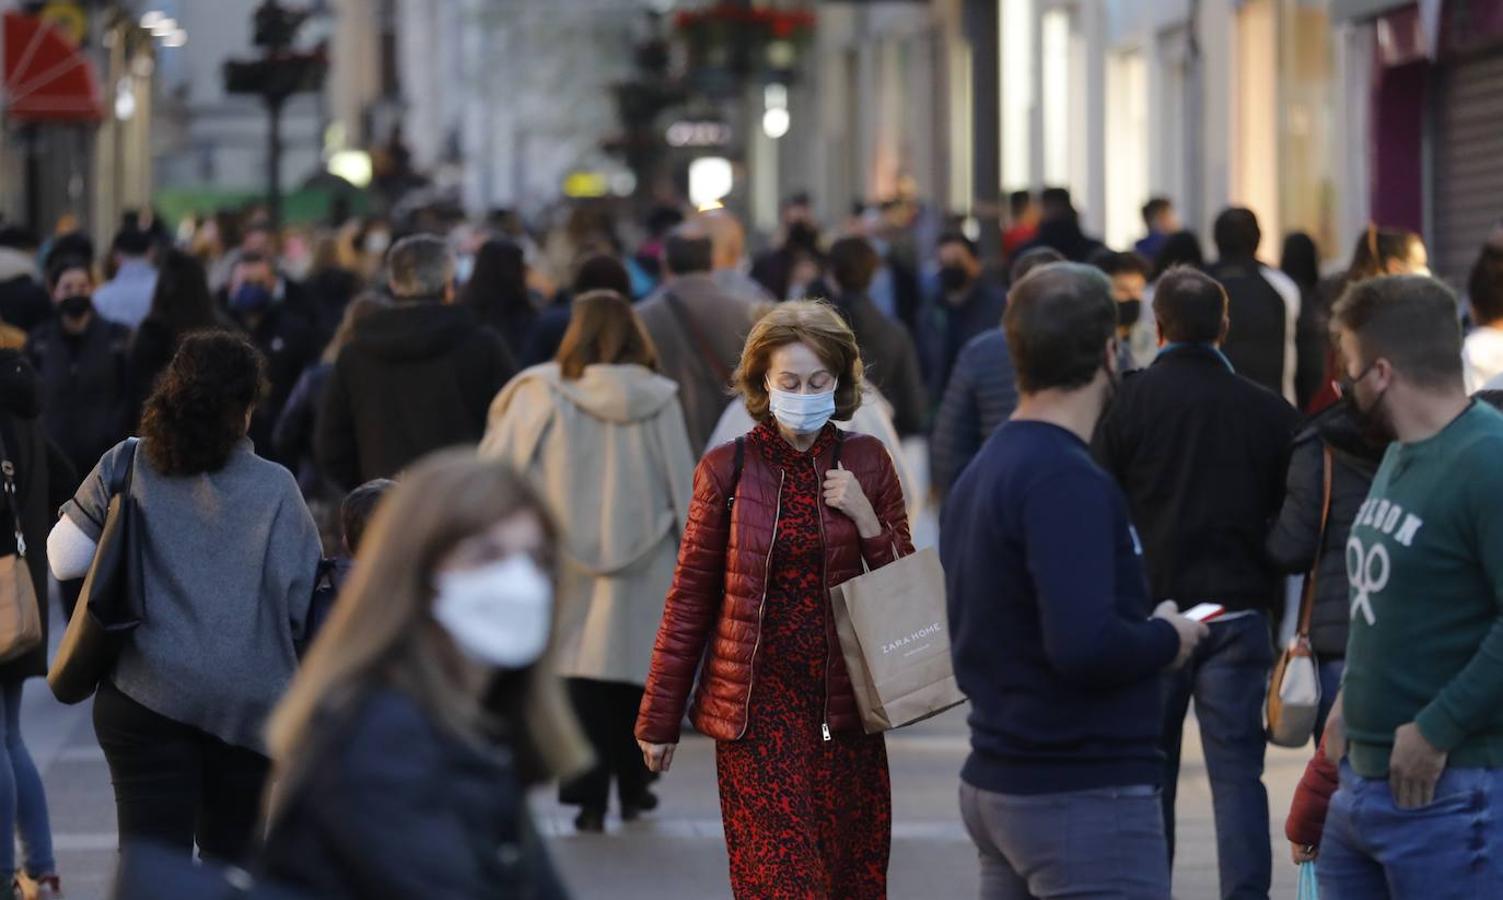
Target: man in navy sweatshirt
column 1055, row 640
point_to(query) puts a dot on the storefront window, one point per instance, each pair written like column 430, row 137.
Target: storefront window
column 1306, row 73
column 1016, row 44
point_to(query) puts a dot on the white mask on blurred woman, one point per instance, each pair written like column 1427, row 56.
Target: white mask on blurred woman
column 499, row 613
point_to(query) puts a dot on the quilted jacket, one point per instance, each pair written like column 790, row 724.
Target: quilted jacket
column 720, row 585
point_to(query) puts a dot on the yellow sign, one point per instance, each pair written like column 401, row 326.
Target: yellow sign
column 578, row 185
column 68, row 18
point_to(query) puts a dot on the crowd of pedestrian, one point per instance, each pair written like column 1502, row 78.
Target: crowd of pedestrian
column 523, row 502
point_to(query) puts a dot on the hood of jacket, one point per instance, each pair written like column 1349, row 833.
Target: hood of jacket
column 413, row 331
column 1337, row 425
column 620, row 394
column 19, row 393
column 16, row 263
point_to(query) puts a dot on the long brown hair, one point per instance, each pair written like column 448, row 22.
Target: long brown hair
column 382, row 630
column 604, row 329
column 364, row 303
column 1376, row 248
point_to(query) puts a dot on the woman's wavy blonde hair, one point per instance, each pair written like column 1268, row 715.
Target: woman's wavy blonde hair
column 382, row 631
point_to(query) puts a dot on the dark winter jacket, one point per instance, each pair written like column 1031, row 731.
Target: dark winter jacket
column 23, row 300
column 945, row 328
column 981, row 395
column 890, row 359
column 290, row 343
column 44, row 481
column 293, row 436
column 721, row 579
column 1264, row 307
column 86, row 387
column 416, row 377
column 1201, row 454
column 701, row 350
column 546, row 333
column 394, row 807
column 1065, row 235
column 1293, row 542
column 329, row 291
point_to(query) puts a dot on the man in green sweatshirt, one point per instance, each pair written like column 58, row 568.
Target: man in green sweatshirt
column 1421, row 710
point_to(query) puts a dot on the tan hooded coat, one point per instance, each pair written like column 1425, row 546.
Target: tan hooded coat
column 610, row 454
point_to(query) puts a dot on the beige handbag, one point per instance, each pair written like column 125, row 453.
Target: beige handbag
column 895, row 639
column 1294, row 691
column 20, row 614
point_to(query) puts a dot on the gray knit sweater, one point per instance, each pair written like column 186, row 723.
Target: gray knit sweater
column 228, row 563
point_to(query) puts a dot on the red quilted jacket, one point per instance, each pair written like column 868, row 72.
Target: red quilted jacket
column 721, row 581
column 1307, row 813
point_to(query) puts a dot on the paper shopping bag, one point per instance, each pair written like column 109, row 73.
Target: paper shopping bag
column 895, row 639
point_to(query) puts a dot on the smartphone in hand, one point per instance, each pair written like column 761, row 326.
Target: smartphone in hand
column 1204, row 612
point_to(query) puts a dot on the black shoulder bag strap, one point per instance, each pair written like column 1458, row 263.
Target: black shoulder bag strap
column 122, row 483
column 12, row 504
column 730, row 494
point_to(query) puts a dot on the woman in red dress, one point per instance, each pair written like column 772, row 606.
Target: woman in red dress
column 777, row 519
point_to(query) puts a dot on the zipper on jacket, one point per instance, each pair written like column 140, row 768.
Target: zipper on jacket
column 762, row 607
column 824, row 586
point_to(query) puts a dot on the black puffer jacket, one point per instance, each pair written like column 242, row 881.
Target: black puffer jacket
column 44, row 481
column 417, row 377
column 85, row 387
column 394, row 807
column 1294, row 542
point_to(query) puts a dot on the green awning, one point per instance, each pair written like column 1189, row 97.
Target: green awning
column 308, row 205
column 1364, row 9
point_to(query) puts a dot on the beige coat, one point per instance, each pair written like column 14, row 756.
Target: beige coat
column 610, row 454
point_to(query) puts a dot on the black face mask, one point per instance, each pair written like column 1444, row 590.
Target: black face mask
column 1372, row 422
column 953, row 278
column 75, row 307
column 1128, row 312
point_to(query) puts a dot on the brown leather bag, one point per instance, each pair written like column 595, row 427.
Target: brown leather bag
column 20, row 613
column 1294, row 691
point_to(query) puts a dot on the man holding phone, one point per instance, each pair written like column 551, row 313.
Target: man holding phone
column 1050, row 616
column 1418, row 728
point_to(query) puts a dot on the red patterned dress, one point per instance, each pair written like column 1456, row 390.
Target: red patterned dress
column 804, row 817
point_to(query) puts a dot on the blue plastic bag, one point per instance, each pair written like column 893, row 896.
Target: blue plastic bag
column 1309, row 887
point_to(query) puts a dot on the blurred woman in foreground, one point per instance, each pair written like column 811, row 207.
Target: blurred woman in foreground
column 403, row 750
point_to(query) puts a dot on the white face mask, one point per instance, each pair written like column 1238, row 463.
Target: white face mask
column 500, row 613
column 376, row 242
column 802, row 413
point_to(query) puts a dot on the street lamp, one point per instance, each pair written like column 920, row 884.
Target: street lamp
column 279, row 73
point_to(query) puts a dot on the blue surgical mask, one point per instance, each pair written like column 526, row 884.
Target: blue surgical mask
column 250, row 298
column 802, row 413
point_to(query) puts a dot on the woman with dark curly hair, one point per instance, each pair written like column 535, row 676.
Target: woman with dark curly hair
column 228, row 556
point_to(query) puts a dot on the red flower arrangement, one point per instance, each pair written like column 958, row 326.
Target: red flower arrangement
column 775, row 24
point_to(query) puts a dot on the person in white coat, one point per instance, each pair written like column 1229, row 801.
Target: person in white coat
column 601, row 434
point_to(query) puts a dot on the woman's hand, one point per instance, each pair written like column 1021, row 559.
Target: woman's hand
column 659, row 757
column 843, row 492
column 1303, row 853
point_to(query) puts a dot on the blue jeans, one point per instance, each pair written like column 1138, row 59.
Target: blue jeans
column 23, row 802
column 1102, row 843
column 1228, row 678
column 1453, row 848
column 1330, row 672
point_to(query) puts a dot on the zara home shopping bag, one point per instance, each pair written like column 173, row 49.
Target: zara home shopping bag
column 895, row 639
